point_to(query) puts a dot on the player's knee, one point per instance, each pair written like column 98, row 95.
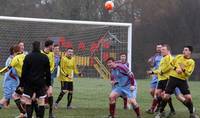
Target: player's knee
column 112, row 99
column 188, row 98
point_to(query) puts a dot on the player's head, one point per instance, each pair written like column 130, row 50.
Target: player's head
column 36, row 46
column 49, row 45
column 123, row 57
column 70, row 52
column 158, row 47
column 56, row 49
column 111, row 62
column 187, row 51
column 165, row 50
column 16, row 49
column 21, row 45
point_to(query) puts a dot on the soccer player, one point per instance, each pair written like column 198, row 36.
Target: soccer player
column 48, row 51
column 67, row 70
column 123, row 60
column 17, row 63
column 57, row 55
column 21, row 46
column 35, row 77
column 154, row 62
column 11, row 80
column 123, row 80
column 163, row 75
column 182, row 67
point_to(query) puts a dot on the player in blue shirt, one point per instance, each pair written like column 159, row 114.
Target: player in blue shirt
column 123, row 81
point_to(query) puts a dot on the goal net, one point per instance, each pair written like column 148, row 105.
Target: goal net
column 93, row 42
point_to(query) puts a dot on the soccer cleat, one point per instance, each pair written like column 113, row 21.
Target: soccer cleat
column 110, row 116
column 149, row 111
column 70, row 107
column 55, row 105
column 160, row 115
column 21, row 115
column 171, row 113
column 193, row 115
column 138, row 116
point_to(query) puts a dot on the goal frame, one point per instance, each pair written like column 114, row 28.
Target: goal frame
column 96, row 23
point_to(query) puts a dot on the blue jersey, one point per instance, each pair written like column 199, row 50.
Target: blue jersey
column 157, row 59
column 156, row 62
column 120, row 75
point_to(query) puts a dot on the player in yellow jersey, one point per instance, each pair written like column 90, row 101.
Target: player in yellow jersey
column 17, row 63
column 163, row 75
column 48, row 50
column 67, row 70
column 182, row 67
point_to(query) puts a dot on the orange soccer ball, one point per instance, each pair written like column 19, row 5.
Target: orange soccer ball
column 109, row 5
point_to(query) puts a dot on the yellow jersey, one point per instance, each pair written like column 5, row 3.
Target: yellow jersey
column 188, row 65
column 68, row 68
column 17, row 63
column 164, row 68
column 50, row 55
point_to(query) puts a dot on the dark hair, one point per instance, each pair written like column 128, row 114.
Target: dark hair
column 70, row 49
column 159, row 44
column 56, row 45
column 16, row 49
column 123, row 53
column 36, row 46
column 189, row 47
column 167, row 46
column 11, row 50
column 48, row 43
column 110, row 58
column 20, row 41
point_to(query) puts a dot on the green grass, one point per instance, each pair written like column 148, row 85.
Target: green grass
column 91, row 101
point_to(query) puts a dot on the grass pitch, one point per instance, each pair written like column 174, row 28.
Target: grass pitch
column 90, row 100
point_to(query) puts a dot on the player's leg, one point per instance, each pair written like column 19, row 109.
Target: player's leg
column 17, row 99
column 179, row 95
column 70, row 94
column 132, row 100
column 27, row 97
column 50, row 102
column 62, row 93
column 158, row 94
column 184, row 88
column 170, row 87
column 112, row 101
column 40, row 95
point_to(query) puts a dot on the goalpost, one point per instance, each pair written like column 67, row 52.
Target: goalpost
column 88, row 38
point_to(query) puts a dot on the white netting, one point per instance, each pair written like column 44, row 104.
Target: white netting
column 87, row 40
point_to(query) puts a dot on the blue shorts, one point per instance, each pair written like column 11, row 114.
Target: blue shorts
column 125, row 91
column 177, row 91
column 9, row 88
column 154, row 82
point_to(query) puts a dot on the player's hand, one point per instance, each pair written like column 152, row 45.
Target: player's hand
column 113, row 82
column 50, row 90
column 150, row 72
column 179, row 70
column 132, row 88
column 182, row 66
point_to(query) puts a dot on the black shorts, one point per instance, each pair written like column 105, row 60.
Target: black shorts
column 30, row 90
column 66, row 85
column 162, row 84
column 174, row 82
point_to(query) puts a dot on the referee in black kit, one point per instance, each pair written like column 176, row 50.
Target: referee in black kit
column 36, row 77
